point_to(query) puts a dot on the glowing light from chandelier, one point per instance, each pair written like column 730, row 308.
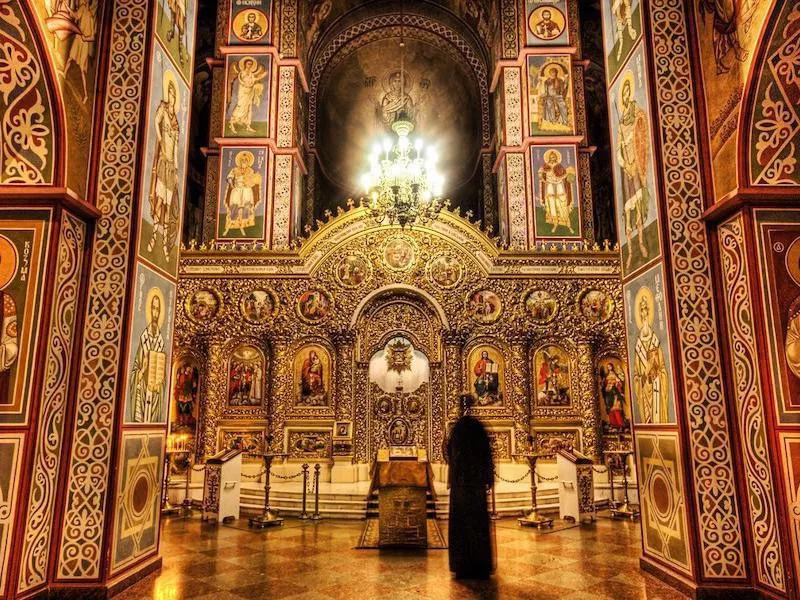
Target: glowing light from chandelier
column 403, row 184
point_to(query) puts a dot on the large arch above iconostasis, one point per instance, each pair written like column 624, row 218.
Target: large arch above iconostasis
column 447, row 81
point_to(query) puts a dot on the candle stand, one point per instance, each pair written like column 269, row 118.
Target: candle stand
column 533, row 518
column 268, row 518
column 624, row 510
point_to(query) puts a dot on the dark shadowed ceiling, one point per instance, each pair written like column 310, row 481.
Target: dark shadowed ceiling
column 360, row 81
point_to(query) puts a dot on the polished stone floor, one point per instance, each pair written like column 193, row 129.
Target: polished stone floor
column 302, row 560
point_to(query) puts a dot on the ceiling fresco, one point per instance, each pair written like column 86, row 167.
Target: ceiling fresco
column 361, row 95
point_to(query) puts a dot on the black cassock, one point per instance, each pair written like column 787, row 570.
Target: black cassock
column 471, row 473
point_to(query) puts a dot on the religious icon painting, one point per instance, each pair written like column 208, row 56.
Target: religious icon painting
column 486, row 373
column 24, row 237
column 779, row 249
column 313, row 306
column 622, row 25
column 595, row 305
column 550, row 107
column 445, row 271
column 246, row 371
column 137, row 515
column 312, row 376
column 164, row 174
column 352, row 271
column 650, row 363
column 258, row 305
column 203, row 305
column 185, row 397
column 557, row 203
column 615, row 410
column 551, row 370
column 150, row 348
column 547, row 23
column 175, row 28
column 250, row 22
column 240, row 212
column 541, row 307
column 247, row 95
column 484, row 306
column 399, row 253
column 634, row 166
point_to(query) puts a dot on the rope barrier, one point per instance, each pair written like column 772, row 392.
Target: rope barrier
column 600, row 471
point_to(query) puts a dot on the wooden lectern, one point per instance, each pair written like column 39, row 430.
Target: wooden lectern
column 402, row 485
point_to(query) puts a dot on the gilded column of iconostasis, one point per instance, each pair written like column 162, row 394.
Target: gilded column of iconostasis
column 331, row 342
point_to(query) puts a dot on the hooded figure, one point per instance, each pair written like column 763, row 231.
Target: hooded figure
column 471, row 474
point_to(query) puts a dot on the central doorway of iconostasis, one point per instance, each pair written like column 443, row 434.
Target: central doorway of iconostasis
column 399, row 378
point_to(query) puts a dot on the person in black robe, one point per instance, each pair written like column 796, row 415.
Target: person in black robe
column 471, row 475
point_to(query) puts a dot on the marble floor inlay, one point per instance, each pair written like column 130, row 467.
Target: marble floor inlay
column 304, row 560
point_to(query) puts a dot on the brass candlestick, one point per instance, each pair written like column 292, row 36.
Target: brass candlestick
column 166, row 507
column 268, row 518
column 625, row 510
column 533, row 518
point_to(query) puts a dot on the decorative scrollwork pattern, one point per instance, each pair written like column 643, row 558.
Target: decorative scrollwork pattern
column 49, row 439
column 721, row 540
column 84, row 518
column 749, row 402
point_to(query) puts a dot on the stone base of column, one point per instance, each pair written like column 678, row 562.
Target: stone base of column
column 700, row 592
column 103, row 591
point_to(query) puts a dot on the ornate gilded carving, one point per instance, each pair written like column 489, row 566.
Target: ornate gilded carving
column 384, row 302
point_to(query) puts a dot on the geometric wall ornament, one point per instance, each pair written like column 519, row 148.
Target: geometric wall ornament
column 790, row 450
column 662, row 499
column 11, row 445
column 138, row 497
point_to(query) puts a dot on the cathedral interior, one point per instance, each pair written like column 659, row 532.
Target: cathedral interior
column 254, row 253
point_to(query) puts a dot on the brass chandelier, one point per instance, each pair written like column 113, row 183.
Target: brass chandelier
column 403, row 184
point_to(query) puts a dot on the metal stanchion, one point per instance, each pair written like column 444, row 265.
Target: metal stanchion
column 304, row 512
column 316, row 516
column 493, row 515
column 166, row 507
column 187, row 499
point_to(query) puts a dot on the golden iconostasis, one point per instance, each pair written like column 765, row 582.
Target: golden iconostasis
column 366, row 335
